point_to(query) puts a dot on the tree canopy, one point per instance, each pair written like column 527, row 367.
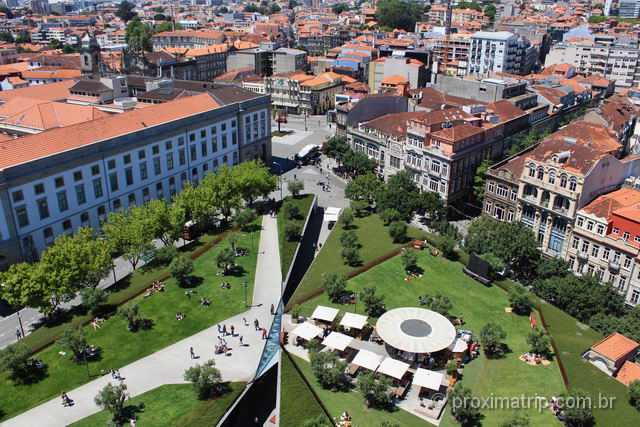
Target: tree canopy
column 138, row 36
column 400, row 194
column 126, row 11
column 398, row 14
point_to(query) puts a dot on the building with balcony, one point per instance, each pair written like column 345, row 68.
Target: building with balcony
column 500, row 52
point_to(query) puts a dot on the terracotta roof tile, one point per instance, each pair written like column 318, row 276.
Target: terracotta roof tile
column 628, row 373
column 616, row 346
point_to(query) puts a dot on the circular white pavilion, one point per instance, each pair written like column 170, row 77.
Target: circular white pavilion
column 415, row 330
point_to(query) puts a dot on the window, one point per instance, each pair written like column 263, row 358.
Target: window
column 63, row 205
column 97, row 188
column 532, row 171
column 203, row 149
column 552, row 177
column 77, row 176
column 101, row 211
column 155, row 149
column 625, row 236
column 490, row 186
column 635, row 295
column 143, row 171
column 59, row 181
column 590, row 225
column 580, row 221
column 132, row 199
column 600, row 229
column 66, row 225
column 193, row 153
column 43, row 208
column 616, row 257
column 615, row 230
column 95, row 169
column 575, row 243
column 585, row 246
column 170, row 161
column 224, row 142
column 223, row 127
column 205, row 168
column 636, row 239
column 48, row 235
column 145, row 194
column 540, row 173
column 192, row 137
column 116, row 204
column 157, row 169
column 38, row 188
column 502, row 191
column 111, row 164
column 605, row 253
column 128, row 176
column 182, row 159
column 563, row 181
column 214, row 144
column 113, row 181
column 142, row 154
column 168, row 145
column 127, row 159
column 180, row 141
column 622, row 282
column 22, row 217
column 203, row 133
column 80, row 194
column 595, row 250
column 573, row 184
column 17, row 196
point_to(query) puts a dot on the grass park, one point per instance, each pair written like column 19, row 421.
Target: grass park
column 288, row 247
column 117, row 345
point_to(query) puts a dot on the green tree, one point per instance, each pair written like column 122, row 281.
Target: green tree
column 180, row 268
column 451, row 367
column 222, row 189
column 334, row 284
column 23, row 39
column 159, row 17
column 129, row 233
column 349, row 238
column 252, row 180
column 372, row 302
column 363, row 187
column 111, row 398
column 374, row 389
column 221, row 9
column 55, row 44
column 338, row 8
column 67, row 48
column 290, row 209
column 398, row 231
column 346, row 218
column 92, row 298
column 630, row 324
column 291, row 231
column 596, row 19
column 204, row 378
column 398, row 14
column 225, row 259
column 462, row 408
column 138, row 36
column 292, row 4
column 295, row 187
column 358, row 163
column 400, row 194
column 244, row 217
column 634, row 394
column 440, row 304
column 576, row 407
column 429, row 204
column 274, row 8
column 13, row 361
column 409, row 259
column 7, row 12
column 166, row 254
column 6, row 36
column 279, row 115
column 328, row 369
column 468, row 5
column 321, row 421
column 480, row 179
column 359, row 207
column 492, row 336
column 126, row 11
column 539, row 341
column 519, row 300
column 389, row 216
column 490, row 10
column 164, row 221
column 129, row 312
column 75, row 341
column 553, row 267
column 350, row 255
column 336, row 148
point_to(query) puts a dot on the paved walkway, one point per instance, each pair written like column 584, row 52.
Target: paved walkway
column 168, row 365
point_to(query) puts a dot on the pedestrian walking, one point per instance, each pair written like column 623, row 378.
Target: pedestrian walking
column 191, row 353
column 244, row 320
column 65, row 399
column 113, row 373
column 18, row 334
column 241, row 341
column 272, row 310
column 219, row 328
column 233, row 331
column 264, row 334
column 224, row 330
column 256, row 324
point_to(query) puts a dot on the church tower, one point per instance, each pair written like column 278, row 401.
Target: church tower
column 90, row 55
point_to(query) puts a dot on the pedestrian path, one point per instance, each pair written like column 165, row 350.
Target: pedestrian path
column 167, row 366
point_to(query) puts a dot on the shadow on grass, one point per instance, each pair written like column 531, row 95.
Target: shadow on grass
column 30, row 376
column 132, row 411
column 191, row 282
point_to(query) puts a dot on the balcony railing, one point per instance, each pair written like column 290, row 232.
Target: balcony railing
column 614, row 265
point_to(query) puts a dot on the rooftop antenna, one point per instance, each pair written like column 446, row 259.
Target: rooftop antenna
column 173, row 18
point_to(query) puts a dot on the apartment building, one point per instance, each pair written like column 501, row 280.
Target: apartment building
column 268, row 59
column 411, row 69
column 629, row 9
column 500, row 52
column 61, row 179
column 616, row 61
column 605, row 241
column 187, row 39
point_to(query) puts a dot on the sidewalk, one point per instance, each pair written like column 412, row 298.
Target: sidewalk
column 167, row 366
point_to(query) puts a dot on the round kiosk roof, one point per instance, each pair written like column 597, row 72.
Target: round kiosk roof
column 415, row 330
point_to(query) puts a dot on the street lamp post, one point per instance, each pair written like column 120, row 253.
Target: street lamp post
column 20, row 322
column 245, row 291
column 86, row 364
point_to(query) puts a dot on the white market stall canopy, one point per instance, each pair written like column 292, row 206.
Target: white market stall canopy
column 428, row 379
column 367, row 359
column 307, row 331
column 337, row 341
column 415, row 330
column 325, row 313
column 393, row 367
column 458, row 346
column 353, row 320
column 332, row 214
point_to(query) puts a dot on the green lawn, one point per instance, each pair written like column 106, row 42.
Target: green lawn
column 287, row 248
column 375, row 243
column 211, row 411
column 479, row 304
column 170, row 405
column 297, row 402
column 120, row 347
